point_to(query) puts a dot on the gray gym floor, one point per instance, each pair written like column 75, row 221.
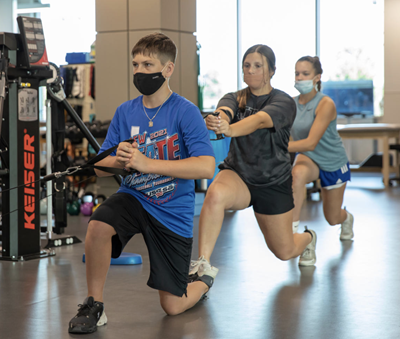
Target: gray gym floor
column 353, row 292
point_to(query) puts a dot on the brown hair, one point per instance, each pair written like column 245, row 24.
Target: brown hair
column 244, row 94
column 316, row 65
column 157, row 44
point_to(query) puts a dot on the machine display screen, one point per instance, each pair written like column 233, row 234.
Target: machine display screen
column 32, row 36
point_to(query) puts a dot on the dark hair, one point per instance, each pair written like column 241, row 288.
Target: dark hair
column 244, row 94
column 157, row 44
column 316, row 65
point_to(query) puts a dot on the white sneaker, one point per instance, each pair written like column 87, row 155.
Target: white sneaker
column 308, row 257
column 207, row 270
column 195, row 266
column 347, row 232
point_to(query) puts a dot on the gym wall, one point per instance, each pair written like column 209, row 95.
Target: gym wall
column 392, row 64
column 119, row 25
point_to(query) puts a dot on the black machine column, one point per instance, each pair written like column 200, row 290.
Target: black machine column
column 23, row 68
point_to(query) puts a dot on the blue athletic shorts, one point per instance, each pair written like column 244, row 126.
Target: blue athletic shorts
column 331, row 180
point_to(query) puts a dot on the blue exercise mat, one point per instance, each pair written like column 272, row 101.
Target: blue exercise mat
column 124, row 259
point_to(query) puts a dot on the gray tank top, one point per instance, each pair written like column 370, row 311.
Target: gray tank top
column 329, row 154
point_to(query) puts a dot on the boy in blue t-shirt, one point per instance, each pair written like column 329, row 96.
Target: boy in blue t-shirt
column 171, row 148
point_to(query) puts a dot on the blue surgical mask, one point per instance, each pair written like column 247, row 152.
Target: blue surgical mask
column 304, row 86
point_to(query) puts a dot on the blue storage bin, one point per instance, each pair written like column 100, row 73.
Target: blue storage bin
column 221, row 148
column 77, row 58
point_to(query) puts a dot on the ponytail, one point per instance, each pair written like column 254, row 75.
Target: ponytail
column 243, row 97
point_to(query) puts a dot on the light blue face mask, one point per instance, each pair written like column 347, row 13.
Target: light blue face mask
column 304, row 86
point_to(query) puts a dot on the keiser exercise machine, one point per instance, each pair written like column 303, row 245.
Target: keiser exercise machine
column 23, row 68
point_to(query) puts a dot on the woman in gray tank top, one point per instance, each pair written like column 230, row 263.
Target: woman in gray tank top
column 321, row 154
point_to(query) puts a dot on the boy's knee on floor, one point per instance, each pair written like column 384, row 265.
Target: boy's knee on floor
column 171, row 307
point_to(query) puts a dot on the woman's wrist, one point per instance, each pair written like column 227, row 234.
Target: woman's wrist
column 227, row 113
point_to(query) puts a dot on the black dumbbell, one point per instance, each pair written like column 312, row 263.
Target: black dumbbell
column 105, row 125
column 73, row 133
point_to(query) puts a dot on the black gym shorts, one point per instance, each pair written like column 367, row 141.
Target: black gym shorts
column 274, row 199
column 270, row 200
column 169, row 252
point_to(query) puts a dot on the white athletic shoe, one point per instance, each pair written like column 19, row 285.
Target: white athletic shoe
column 347, row 232
column 207, row 270
column 195, row 266
column 308, row 257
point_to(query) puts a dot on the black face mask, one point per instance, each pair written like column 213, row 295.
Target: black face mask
column 148, row 84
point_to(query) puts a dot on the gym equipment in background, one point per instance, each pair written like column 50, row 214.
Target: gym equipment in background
column 56, row 92
column 87, row 204
column 97, row 202
column 73, row 207
column 57, row 103
column 56, row 161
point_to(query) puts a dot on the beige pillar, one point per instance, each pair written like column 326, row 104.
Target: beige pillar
column 119, row 25
column 392, row 64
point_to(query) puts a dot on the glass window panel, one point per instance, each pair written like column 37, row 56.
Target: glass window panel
column 288, row 27
column 69, row 26
column 217, row 37
column 352, row 54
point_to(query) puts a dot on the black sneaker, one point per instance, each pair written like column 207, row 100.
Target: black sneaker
column 90, row 315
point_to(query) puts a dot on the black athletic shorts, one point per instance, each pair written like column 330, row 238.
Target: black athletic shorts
column 270, row 200
column 275, row 199
column 169, row 252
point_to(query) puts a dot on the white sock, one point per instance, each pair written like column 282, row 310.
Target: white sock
column 295, row 226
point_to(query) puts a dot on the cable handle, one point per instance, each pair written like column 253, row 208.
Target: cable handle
column 215, row 114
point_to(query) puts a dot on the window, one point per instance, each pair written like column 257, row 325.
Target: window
column 288, row 27
column 69, row 26
column 217, row 39
column 350, row 45
column 352, row 55
column 273, row 23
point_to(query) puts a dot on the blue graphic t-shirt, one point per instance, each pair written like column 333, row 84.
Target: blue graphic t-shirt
column 178, row 132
